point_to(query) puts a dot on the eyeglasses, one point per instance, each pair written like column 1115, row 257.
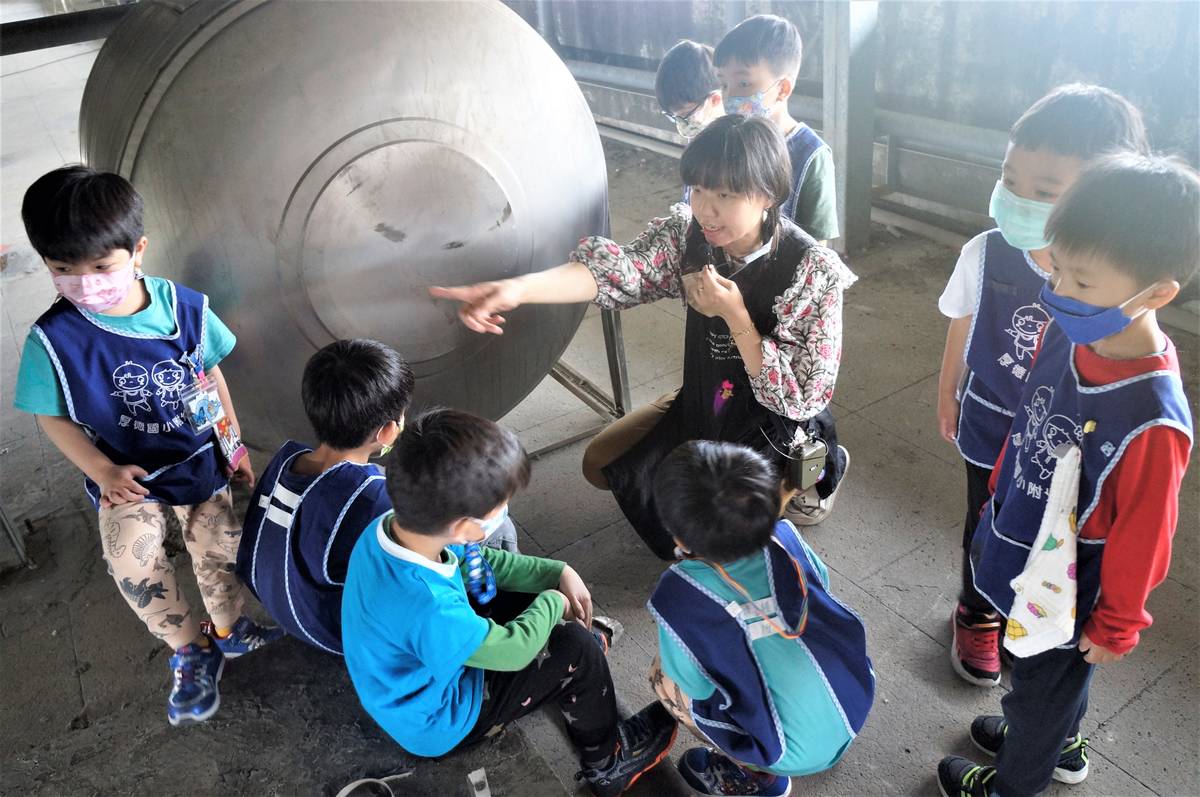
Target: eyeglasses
column 685, row 117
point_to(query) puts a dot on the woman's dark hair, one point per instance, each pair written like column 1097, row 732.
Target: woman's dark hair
column 685, row 75
column 1083, row 121
column 721, row 500
column 351, row 388
column 742, row 155
column 449, row 465
column 75, row 214
column 1137, row 213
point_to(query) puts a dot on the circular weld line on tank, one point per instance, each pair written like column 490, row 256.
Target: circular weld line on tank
column 363, row 234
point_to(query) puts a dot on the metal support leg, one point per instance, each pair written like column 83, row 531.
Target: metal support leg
column 849, row 112
column 614, row 346
column 14, row 537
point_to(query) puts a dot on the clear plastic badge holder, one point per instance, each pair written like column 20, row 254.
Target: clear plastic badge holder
column 203, row 411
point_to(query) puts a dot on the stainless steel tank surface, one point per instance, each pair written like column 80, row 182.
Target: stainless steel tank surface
column 315, row 166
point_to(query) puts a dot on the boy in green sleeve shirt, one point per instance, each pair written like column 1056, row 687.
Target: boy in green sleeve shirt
column 427, row 667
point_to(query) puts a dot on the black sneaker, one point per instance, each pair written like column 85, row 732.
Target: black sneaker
column 962, row 777
column 988, row 732
column 643, row 741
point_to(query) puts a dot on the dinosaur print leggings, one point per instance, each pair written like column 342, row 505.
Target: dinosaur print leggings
column 132, row 538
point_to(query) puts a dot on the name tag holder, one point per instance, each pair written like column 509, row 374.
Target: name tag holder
column 204, row 411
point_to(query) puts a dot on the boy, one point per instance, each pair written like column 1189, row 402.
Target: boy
column 110, row 371
column 992, row 299
column 1105, row 396
column 436, row 675
column 757, row 65
column 687, row 88
column 311, row 505
column 757, row 657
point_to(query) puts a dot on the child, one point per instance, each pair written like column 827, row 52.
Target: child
column 764, row 323
column 112, row 371
column 1104, row 397
column 757, row 657
column 992, row 299
column 432, row 672
column 757, row 64
column 687, row 88
column 311, row 505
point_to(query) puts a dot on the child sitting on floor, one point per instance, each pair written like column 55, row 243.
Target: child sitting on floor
column 427, row 667
column 758, row 659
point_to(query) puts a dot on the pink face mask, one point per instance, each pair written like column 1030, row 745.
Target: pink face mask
column 97, row 292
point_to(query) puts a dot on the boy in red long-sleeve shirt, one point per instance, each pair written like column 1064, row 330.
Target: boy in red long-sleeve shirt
column 1105, row 382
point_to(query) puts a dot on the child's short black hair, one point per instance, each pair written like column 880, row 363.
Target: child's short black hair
column 685, row 75
column 764, row 37
column 351, row 388
column 1138, row 213
column 450, row 464
column 721, row 500
column 741, row 154
column 1083, row 121
column 75, row 214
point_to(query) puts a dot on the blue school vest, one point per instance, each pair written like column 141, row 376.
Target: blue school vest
column 286, row 542
column 801, row 146
column 1057, row 408
column 740, row 716
column 123, row 389
column 1007, row 323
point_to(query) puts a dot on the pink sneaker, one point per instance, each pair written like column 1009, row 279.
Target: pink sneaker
column 975, row 651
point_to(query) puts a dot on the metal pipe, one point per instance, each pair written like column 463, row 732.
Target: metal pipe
column 40, row 33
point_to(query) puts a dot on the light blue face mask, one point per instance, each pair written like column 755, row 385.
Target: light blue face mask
column 491, row 525
column 1022, row 222
column 752, row 104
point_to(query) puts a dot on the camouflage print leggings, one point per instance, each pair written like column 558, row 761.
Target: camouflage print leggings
column 132, row 537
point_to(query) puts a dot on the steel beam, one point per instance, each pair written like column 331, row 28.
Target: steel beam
column 849, row 113
column 56, row 30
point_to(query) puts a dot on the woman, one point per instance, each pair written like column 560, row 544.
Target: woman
column 763, row 336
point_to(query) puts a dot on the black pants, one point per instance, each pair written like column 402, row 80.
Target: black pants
column 572, row 670
column 977, row 496
column 1048, row 700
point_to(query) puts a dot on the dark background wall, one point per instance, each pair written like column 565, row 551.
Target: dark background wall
column 973, row 63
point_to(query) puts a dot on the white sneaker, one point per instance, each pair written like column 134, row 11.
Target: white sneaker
column 809, row 509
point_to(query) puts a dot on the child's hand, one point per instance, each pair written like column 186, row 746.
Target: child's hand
column 118, row 485
column 481, row 304
column 579, row 599
column 243, row 472
column 948, row 407
column 1096, row 654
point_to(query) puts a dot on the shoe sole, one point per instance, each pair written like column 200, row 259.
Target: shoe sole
column 1067, row 776
column 697, row 793
column 957, row 664
column 666, row 751
column 184, row 720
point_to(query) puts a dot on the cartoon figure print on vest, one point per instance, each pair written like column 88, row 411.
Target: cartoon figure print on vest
column 1028, row 321
column 130, row 380
column 169, row 378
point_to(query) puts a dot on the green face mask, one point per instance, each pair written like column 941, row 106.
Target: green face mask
column 1022, row 222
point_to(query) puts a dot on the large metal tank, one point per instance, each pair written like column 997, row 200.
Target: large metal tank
column 315, row 166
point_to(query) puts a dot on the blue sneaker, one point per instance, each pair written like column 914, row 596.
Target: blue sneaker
column 194, row 696
column 710, row 772
column 245, row 636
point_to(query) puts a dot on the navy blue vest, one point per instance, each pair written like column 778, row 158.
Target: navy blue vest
column 740, row 716
column 288, row 538
column 1004, row 333
column 1057, row 408
column 802, row 146
column 123, row 389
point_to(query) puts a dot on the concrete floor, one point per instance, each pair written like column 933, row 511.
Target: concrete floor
column 84, row 686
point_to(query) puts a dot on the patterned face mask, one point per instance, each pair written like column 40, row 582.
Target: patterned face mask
column 98, row 291
column 751, row 104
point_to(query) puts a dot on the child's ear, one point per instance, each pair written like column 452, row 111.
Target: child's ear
column 1162, row 294
column 786, row 87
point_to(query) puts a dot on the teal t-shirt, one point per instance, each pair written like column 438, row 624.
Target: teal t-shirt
column 813, row 725
column 38, row 389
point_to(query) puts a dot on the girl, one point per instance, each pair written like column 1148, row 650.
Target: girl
column 117, row 371
column 763, row 337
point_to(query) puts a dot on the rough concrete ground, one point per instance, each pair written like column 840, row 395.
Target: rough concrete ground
column 83, row 686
